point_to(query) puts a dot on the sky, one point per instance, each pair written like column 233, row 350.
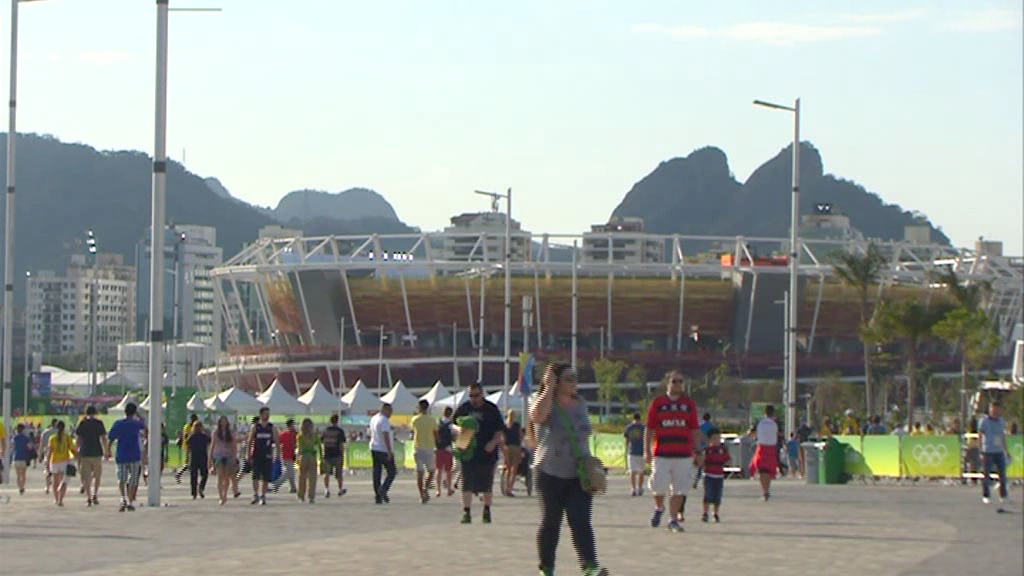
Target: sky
column 569, row 103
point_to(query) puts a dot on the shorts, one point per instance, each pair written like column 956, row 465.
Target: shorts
column 477, row 477
column 713, row 490
column 425, row 460
column 90, row 467
column 223, row 461
column 128, row 473
column 443, row 459
column 20, row 464
column 636, row 463
column 59, row 467
column 262, row 469
column 766, row 460
column 671, row 476
column 332, row 466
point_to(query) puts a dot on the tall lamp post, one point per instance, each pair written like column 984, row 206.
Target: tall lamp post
column 28, row 341
column 90, row 242
column 794, row 264
column 495, row 197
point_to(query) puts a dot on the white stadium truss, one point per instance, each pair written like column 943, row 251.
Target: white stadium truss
column 423, row 254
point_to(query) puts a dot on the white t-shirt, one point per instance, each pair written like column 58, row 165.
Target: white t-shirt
column 380, row 427
column 767, row 432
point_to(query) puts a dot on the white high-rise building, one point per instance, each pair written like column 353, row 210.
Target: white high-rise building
column 621, row 241
column 59, row 310
column 190, row 254
column 473, row 225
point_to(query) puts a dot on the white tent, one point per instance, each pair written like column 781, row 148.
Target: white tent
column 215, row 404
column 452, row 402
column 280, row 401
column 238, row 401
column 360, row 400
column 513, row 400
column 319, row 401
column 402, row 401
column 145, row 405
column 438, row 392
column 119, row 407
column 195, row 404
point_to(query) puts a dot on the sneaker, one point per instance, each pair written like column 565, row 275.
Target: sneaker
column 81, row 490
column 131, row 508
column 595, row 571
column 487, row 516
column 424, row 497
column 95, row 501
column 547, row 573
column 716, row 519
column 255, row 499
column 656, row 518
column 327, row 493
column 88, row 503
column 201, row 495
column 675, row 526
column 766, row 496
column 386, row 499
column 704, row 518
column 122, row 507
column 640, row 492
column 986, row 500
column 311, row 500
column 263, row 501
column 292, row 491
column 632, row 492
column 466, row 518
column 342, row 492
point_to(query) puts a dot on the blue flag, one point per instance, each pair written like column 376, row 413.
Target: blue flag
column 527, row 382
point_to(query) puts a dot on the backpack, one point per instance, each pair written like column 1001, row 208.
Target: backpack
column 444, row 435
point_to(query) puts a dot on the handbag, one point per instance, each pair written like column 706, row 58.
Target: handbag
column 71, row 471
column 593, row 476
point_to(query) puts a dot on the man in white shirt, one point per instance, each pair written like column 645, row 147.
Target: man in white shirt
column 766, row 459
column 382, row 452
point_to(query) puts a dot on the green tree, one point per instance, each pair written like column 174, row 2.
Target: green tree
column 636, row 377
column 911, row 324
column 862, row 272
column 608, row 374
column 967, row 328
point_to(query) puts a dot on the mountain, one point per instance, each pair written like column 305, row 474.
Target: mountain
column 352, row 204
column 65, row 189
column 698, row 195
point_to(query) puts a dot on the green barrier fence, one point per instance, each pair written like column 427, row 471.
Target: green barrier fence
column 917, row 456
column 881, row 455
column 1015, row 448
column 930, row 456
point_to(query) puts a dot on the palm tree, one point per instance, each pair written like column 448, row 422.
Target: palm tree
column 862, row 272
column 911, row 323
column 967, row 327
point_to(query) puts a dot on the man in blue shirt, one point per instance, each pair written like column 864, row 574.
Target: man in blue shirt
column 635, row 455
column 128, row 433
column 992, row 429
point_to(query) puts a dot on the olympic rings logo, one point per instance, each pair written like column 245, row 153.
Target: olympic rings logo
column 929, row 454
column 610, row 450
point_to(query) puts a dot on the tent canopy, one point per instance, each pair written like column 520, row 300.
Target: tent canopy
column 319, row 401
column 238, row 401
column 215, row 404
column 128, row 399
column 360, row 400
column 452, row 402
column 145, row 404
column 280, row 401
column 437, row 392
column 195, row 404
column 402, row 401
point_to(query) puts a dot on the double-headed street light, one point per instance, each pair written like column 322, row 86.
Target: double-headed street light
column 90, row 243
column 495, row 197
column 794, row 263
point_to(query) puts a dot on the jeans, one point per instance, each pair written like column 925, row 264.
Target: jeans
column 199, row 473
column 307, row 476
column 381, row 461
column 287, row 473
column 565, row 497
column 993, row 461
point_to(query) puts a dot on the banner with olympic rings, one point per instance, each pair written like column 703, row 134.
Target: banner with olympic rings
column 930, row 456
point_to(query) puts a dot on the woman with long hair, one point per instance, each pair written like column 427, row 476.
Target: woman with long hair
column 308, row 453
column 224, row 451
column 558, row 419
column 61, row 452
column 512, row 452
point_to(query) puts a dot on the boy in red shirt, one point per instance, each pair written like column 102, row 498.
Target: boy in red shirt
column 715, row 459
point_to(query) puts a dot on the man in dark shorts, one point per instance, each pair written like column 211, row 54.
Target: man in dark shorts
column 262, row 440
column 478, row 465
column 333, row 464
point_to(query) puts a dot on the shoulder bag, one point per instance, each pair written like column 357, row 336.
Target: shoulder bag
column 593, row 477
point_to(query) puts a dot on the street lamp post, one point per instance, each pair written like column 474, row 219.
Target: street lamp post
column 93, row 292
column 28, row 341
column 508, row 288
column 794, row 263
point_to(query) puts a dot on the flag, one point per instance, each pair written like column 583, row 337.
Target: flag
column 526, row 378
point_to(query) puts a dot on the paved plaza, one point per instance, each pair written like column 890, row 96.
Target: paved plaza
column 923, row 529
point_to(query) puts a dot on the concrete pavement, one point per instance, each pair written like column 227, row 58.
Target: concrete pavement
column 925, row 529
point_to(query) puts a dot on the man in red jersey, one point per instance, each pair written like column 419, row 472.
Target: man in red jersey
column 672, row 442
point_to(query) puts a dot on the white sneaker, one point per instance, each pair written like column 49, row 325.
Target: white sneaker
column 985, row 500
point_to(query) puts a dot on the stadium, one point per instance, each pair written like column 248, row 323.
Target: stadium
column 431, row 306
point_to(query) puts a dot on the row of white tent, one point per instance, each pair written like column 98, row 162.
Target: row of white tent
column 317, row 400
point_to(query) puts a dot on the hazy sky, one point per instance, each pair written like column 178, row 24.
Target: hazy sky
column 569, row 102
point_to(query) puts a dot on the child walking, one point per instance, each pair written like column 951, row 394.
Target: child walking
column 715, row 459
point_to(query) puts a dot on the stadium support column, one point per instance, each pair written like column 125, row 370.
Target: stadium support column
column 575, row 306
column 156, row 273
column 508, row 300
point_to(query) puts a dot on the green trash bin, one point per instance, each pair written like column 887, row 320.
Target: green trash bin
column 834, row 465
